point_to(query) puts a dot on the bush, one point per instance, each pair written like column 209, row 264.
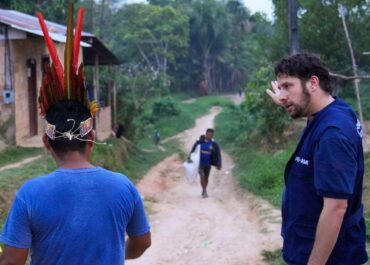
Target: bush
column 262, row 113
column 165, row 107
column 257, row 117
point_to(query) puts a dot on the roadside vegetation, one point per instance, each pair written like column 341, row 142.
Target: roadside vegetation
column 132, row 158
column 261, row 139
column 168, row 49
column 13, row 154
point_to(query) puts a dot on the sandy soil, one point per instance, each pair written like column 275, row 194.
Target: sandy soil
column 230, row 227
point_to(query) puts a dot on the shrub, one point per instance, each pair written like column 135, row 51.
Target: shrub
column 265, row 116
column 165, row 107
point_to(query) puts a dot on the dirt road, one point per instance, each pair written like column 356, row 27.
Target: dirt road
column 230, row 227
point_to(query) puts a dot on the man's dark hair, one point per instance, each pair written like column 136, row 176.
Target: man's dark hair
column 303, row 66
column 210, row 130
column 58, row 115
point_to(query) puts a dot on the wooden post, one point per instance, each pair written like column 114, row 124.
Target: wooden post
column 293, row 27
column 114, row 105
column 96, row 88
column 356, row 81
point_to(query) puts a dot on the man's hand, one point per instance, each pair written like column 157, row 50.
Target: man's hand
column 274, row 93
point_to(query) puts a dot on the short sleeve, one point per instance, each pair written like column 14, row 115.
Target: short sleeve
column 17, row 231
column 335, row 165
column 138, row 224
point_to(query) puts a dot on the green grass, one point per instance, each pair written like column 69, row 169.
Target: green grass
column 188, row 114
column 14, row 154
column 113, row 156
column 262, row 173
column 12, row 179
column 366, row 194
column 172, row 125
column 259, row 168
column 127, row 158
column 273, row 257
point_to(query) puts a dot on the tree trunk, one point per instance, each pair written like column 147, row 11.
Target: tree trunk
column 293, row 27
column 207, row 72
column 147, row 61
column 92, row 16
column 165, row 67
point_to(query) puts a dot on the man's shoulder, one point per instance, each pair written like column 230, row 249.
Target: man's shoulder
column 78, row 176
column 342, row 118
column 215, row 143
column 60, row 173
column 341, row 111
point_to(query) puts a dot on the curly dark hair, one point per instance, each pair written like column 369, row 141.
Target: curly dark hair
column 58, row 115
column 303, row 66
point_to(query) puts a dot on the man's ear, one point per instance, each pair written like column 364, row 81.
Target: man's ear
column 45, row 140
column 314, row 83
column 91, row 136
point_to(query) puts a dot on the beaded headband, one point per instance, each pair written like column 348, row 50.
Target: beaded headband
column 84, row 128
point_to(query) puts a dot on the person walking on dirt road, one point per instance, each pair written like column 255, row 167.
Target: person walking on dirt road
column 210, row 155
column 322, row 212
column 78, row 214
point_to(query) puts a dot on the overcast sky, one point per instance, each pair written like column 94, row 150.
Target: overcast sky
column 253, row 5
column 260, row 5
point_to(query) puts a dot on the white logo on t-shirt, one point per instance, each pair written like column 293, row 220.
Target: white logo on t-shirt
column 359, row 129
column 301, row 160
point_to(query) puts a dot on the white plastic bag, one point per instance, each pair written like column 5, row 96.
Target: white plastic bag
column 191, row 169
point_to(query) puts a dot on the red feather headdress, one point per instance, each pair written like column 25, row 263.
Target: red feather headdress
column 60, row 85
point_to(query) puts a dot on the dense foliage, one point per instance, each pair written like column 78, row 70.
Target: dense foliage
column 211, row 46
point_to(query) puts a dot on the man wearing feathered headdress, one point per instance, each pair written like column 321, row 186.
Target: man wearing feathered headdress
column 78, row 214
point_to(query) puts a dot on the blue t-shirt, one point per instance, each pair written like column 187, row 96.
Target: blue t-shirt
column 75, row 216
column 327, row 163
column 336, row 165
column 206, row 149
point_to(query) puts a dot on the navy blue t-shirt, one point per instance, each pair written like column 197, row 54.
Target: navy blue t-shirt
column 336, row 165
column 328, row 162
column 75, row 216
column 206, row 149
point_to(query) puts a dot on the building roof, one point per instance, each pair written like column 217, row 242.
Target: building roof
column 91, row 45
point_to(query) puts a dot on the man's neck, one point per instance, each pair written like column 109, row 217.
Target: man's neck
column 319, row 104
column 73, row 160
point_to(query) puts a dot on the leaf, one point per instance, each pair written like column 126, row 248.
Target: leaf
column 51, row 48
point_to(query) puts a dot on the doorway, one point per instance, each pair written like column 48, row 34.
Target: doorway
column 32, row 95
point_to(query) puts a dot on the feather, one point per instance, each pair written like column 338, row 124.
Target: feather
column 68, row 52
column 80, row 83
column 58, row 92
column 51, row 48
column 94, row 107
column 58, row 85
column 77, row 39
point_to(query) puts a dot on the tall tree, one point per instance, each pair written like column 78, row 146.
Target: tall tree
column 150, row 39
column 293, row 27
column 56, row 12
column 319, row 22
column 210, row 26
